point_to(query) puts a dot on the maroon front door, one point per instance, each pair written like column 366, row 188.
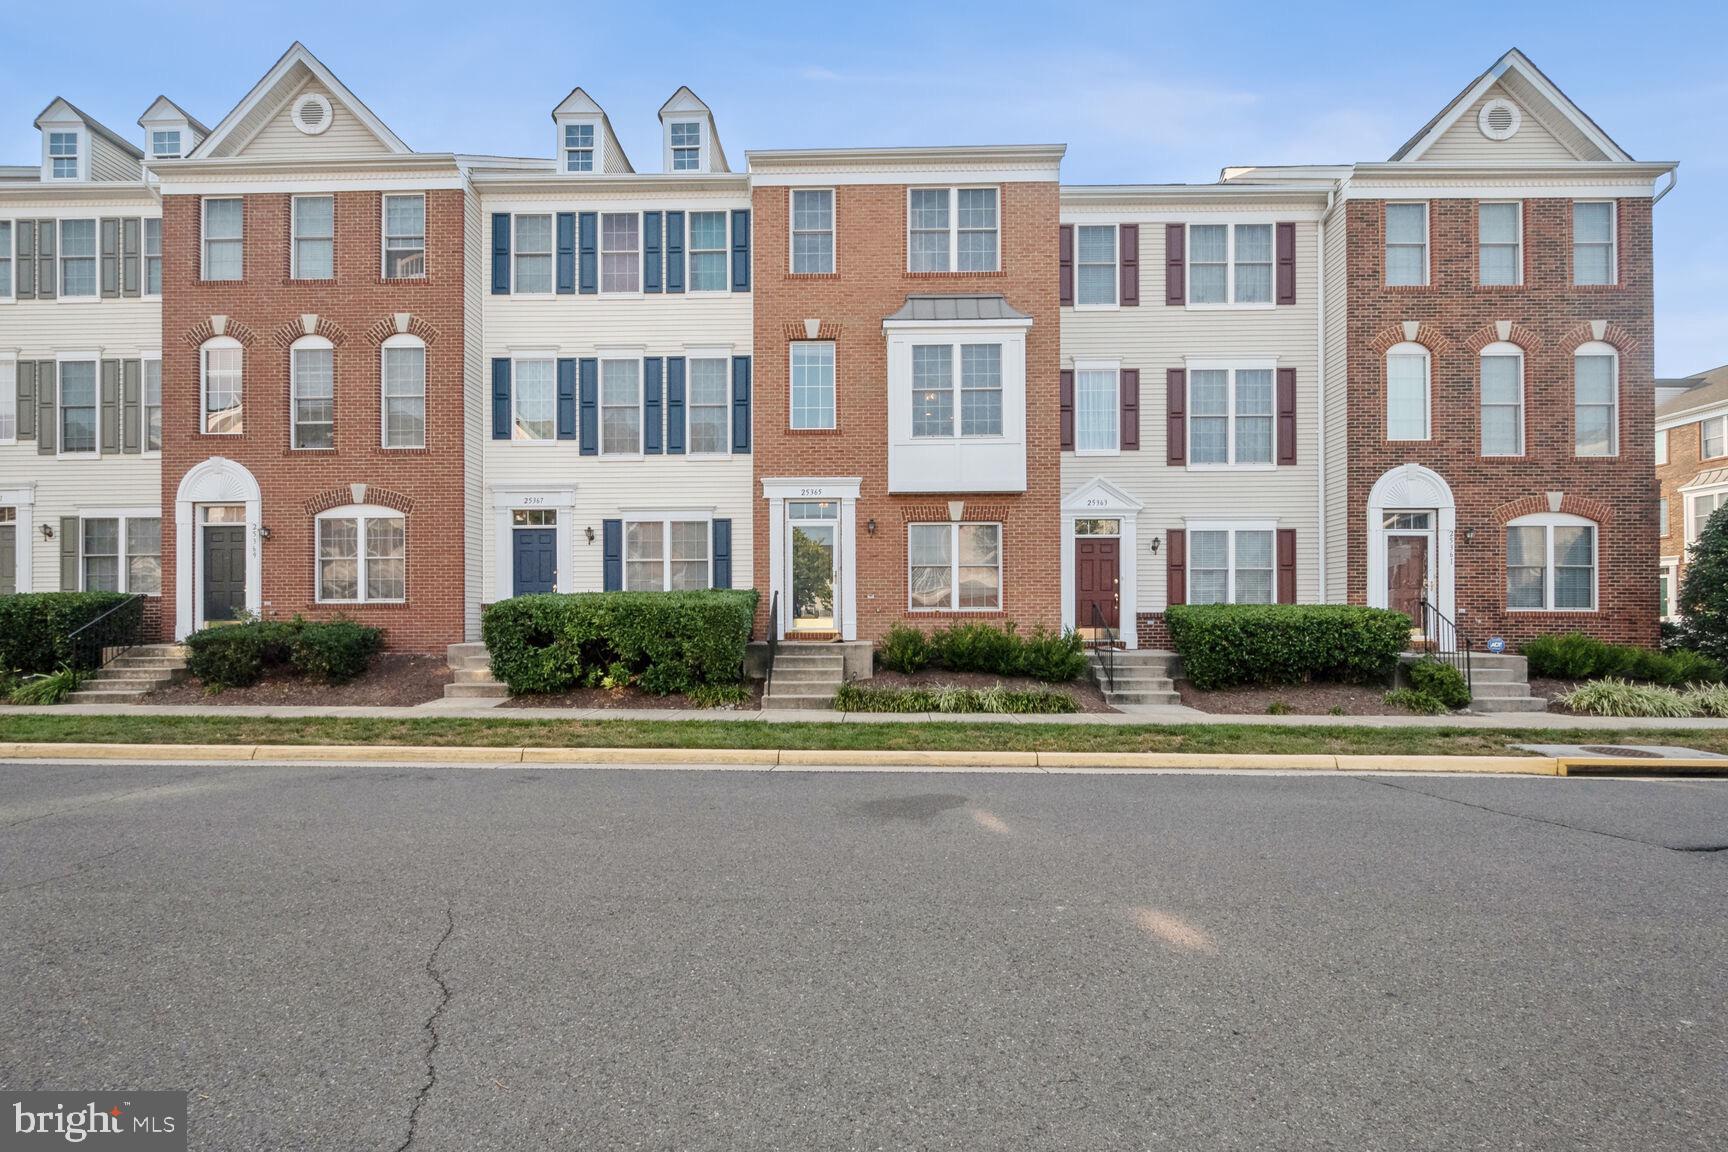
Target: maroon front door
column 1406, row 573
column 1097, row 580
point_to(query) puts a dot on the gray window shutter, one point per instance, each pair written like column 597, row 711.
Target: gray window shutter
column 108, row 429
column 110, row 233
column 129, row 252
column 45, row 428
column 68, row 553
column 24, row 270
column 26, row 399
column 131, row 412
column 45, row 276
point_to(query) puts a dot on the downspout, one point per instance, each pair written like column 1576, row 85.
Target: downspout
column 1673, row 179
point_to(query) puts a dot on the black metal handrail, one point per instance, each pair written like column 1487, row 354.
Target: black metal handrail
column 1442, row 641
column 773, row 642
column 80, row 645
column 1104, row 636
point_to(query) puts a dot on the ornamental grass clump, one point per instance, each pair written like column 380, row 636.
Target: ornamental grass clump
column 1611, row 696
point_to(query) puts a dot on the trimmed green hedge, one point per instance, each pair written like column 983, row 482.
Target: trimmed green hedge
column 863, row 696
column 663, row 641
column 35, row 629
column 1576, row 656
column 236, row 655
column 1226, row 644
column 976, row 646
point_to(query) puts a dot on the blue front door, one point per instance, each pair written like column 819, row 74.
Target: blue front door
column 536, row 560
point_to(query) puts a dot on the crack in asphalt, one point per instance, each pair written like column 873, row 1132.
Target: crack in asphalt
column 431, row 1028
column 70, row 872
column 1536, row 819
column 107, row 799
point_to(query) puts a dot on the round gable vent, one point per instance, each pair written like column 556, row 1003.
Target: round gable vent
column 1499, row 119
column 312, row 114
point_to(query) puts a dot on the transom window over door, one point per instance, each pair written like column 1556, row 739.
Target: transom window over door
column 1230, row 415
column 952, row 230
column 1231, row 565
column 1502, row 400
column 934, row 384
column 1551, row 563
column 955, row 566
column 812, row 231
column 1230, row 263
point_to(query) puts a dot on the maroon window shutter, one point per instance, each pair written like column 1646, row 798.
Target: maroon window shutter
column 1065, row 392
column 1286, row 565
column 1286, row 415
column 1130, row 381
column 1129, row 238
column 1175, row 273
column 1176, row 567
column 1065, row 265
column 1176, row 416
column 1286, row 270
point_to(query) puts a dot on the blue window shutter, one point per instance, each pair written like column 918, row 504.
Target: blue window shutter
column 588, row 253
column 501, row 399
column 500, row 253
column 740, row 249
column 722, row 553
column 651, row 405
column 612, row 551
column 566, row 252
column 675, row 405
column 566, row 399
column 740, row 403
column 674, row 251
column 650, row 251
column 590, row 406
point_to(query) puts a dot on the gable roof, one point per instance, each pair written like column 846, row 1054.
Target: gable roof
column 1514, row 69
column 1704, row 390
column 579, row 103
column 686, row 101
column 163, row 108
column 277, row 86
column 93, row 124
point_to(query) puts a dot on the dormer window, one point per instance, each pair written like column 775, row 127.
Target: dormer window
column 578, row 147
column 63, row 155
column 165, row 143
column 686, row 146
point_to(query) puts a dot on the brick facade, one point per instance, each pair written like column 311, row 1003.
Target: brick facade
column 356, row 311
column 1685, row 464
column 1549, row 318
column 871, row 282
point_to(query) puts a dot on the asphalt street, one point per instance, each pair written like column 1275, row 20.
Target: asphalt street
column 374, row 957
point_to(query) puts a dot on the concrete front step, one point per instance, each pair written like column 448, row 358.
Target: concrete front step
column 803, row 660
column 1116, row 698
column 806, row 675
column 490, row 689
column 1509, row 704
column 799, row 700
column 93, row 696
column 1485, row 688
column 471, row 674
column 471, row 666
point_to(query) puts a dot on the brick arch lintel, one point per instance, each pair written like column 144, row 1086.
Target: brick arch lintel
column 206, row 330
column 825, row 330
column 1571, row 505
column 286, row 334
column 1515, row 334
column 975, row 511
column 1612, row 333
column 337, row 497
column 388, row 327
column 1427, row 335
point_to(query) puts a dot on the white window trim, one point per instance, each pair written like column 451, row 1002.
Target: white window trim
column 602, row 358
column 701, row 123
column 204, row 238
column 1115, row 304
column 1427, row 245
column 179, row 143
column 641, row 241
column 551, row 254
column 144, row 257
column 957, row 365
column 1690, row 496
column 1229, row 301
column 9, row 394
column 143, row 424
column 94, row 359
column 82, row 143
column 123, row 555
column 833, row 230
column 724, row 355
column 1662, row 444
column 1517, row 244
column 791, row 352
column 213, row 344
column 1597, row 348
column 1499, row 348
column 1548, row 521
column 409, row 340
column 309, row 343
column 690, row 251
column 384, row 239
column 665, row 520
column 954, row 229
column 1232, row 367
column 1613, row 246
column 95, row 258
column 1409, row 348
column 1230, row 528
column 10, row 255
column 1702, row 425
column 954, row 565
column 534, row 356
column 1669, row 566
column 598, row 148
column 1111, row 366
column 361, row 513
column 294, row 237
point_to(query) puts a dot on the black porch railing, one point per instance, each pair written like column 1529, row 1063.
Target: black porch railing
column 1442, row 641
column 1104, row 637
column 773, row 642
column 86, row 643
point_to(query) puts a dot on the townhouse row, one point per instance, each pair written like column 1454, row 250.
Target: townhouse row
column 289, row 365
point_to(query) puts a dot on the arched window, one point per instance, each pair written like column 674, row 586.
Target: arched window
column 362, row 555
column 219, row 365
column 1502, row 376
column 1551, row 563
column 1596, row 399
column 1407, row 378
column 403, row 373
column 312, row 373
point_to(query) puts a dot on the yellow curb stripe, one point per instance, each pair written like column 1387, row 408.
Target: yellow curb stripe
column 1520, row 765
column 67, row 751
column 389, row 752
column 886, row 759
column 674, row 757
column 1083, row 761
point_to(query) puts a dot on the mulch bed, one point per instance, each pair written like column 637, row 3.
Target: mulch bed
column 625, row 698
column 1302, row 700
column 1087, row 695
column 1548, row 689
column 395, row 679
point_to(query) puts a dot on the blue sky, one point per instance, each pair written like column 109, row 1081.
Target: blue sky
column 1138, row 91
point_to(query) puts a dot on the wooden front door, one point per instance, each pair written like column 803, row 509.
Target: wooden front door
column 1406, row 575
column 224, row 571
column 1097, row 580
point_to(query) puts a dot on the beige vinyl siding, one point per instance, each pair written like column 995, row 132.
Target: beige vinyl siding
column 613, row 159
column 71, row 488
column 1153, row 338
column 1464, row 143
column 280, row 140
column 475, row 414
column 108, row 162
column 1337, row 404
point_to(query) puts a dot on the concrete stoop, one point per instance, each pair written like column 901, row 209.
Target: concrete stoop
column 805, row 676
column 472, row 666
column 1142, row 676
column 1502, row 684
column 128, row 677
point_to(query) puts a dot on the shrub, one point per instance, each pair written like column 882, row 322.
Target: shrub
column 1441, row 681
column 36, row 629
column 977, row 647
column 1411, row 700
column 1708, row 700
column 1053, row 657
column 856, row 696
column 334, row 651
column 1278, row 708
column 1611, row 696
column 1576, row 656
column 1226, row 644
column 50, row 688
column 235, row 655
column 719, row 695
column 1703, row 601
column 664, row 641
column 904, row 649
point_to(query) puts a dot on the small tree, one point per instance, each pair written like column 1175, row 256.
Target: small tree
column 1704, row 591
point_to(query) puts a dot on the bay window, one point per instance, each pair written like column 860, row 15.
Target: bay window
column 954, row 567
column 1551, row 563
column 939, row 372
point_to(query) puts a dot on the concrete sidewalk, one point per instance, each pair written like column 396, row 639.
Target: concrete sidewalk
column 1130, row 714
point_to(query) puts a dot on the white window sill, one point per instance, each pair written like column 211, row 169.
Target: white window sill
column 79, row 455
column 924, row 611
column 1551, row 610
column 514, row 295
column 403, row 447
column 1595, row 455
column 321, row 600
column 1097, row 307
column 637, row 294
column 626, row 455
column 1232, row 468
column 1267, row 307
column 1409, row 439
column 1097, row 451
column 813, row 427
column 79, row 299
column 706, row 293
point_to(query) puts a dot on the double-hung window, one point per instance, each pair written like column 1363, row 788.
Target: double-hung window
column 1097, row 409
column 77, row 258
column 165, row 143
column 63, row 155
column 1229, row 263
column 1713, row 438
column 1502, row 400
column 404, row 237
column 1095, row 265
column 707, row 252
column 1551, row 563
column 954, row 567
column 812, row 231
column 224, row 244
column 313, row 371
column 535, row 399
column 5, row 259
column 1231, row 565
column 707, row 405
column 686, row 141
column 1699, row 509
column 620, row 407
column 667, row 554
column 1407, row 243
column 532, row 255
column 939, row 372
column 620, row 252
column 404, row 383
column 1407, row 378
column 79, row 421
column 1500, row 243
column 362, row 555
column 8, row 404
column 813, row 384
column 1230, row 416
column 153, row 256
column 121, row 554
column 1596, row 400
column 220, row 362
column 578, row 147
column 953, row 230
column 314, row 237
column 1593, row 234
column 151, row 398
